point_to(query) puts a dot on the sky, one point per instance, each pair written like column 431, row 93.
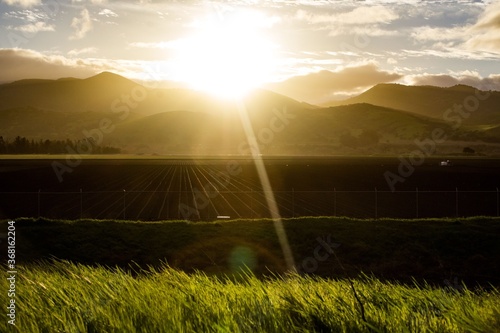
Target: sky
column 344, row 46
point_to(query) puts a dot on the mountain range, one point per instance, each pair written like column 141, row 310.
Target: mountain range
column 386, row 119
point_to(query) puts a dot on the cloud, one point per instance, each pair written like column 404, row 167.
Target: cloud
column 358, row 16
column 367, row 15
column 322, row 87
column 461, row 41
column 28, row 15
column 23, row 3
column 492, row 82
column 487, row 30
column 427, row 33
column 490, row 17
column 19, row 64
column 445, row 51
column 81, row 24
column 173, row 44
column 368, row 30
column 107, row 13
column 33, row 28
column 365, row 21
column 392, row 61
column 77, row 52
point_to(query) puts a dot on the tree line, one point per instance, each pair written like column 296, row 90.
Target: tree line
column 22, row 145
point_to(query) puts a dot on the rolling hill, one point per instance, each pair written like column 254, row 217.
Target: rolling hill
column 65, row 95
column 433, row 101
column 179, row 132
column 385, row 119
column 106, row 92
column 343, row 129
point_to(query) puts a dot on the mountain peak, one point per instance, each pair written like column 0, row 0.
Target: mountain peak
column 107, row 79
column 388, row 85
column 107, row 76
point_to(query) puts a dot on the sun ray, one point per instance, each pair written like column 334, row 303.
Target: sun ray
column 267, row 188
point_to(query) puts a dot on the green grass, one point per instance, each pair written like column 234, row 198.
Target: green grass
column 65, row 297
column 426, row 249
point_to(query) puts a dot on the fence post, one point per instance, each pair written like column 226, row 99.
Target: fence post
column 416, row 195
column 124, row 204
column 39, row 202
column 251, row 203
column 179, row 205
column 334, row 201
column 376, row 203
column 81, row 204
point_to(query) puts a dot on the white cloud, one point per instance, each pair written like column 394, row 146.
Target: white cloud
column 23, row 3
column 486, row 30
column 303, row 15
column 392, row 61
column 324, row 86
column 470, row 78
column 33, row 28
column 27, row 15
column 358, row 16
column 469, row 41
column 449, row 52
column 366, row 21
column 17, row 64
column 367, row 15
column 81, row 24
column 107, row 13
column 490, row 18
column 173, row 44
column 427, row 33
column 373, row 31
column 77, row 52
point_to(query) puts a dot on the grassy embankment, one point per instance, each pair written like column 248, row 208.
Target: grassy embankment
column 427, row 249
column 148, row 296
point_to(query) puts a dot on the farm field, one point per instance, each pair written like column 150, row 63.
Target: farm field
column 64, row 297
column 204, row 188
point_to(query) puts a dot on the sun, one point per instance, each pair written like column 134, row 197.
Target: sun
column 226, row 57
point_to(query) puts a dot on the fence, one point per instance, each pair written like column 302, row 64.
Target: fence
column 196, row 205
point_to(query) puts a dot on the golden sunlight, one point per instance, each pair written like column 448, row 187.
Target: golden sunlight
column 226, row 57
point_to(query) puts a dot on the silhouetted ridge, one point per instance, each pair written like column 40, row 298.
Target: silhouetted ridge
column 432, row 101
column 29, row 82
column 108, row 78
column 386, row 118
